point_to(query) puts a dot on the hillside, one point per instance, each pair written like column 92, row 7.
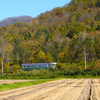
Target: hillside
column 13, row 20
column 62, row 35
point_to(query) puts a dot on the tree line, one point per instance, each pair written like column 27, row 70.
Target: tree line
column 68, row 34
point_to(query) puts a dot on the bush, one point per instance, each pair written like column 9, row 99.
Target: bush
column 63, row 70
column 15, row 69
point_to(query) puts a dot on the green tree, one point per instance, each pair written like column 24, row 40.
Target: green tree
column 40, row 57
column 98, row 27
column 49, row 58
column 97, row 49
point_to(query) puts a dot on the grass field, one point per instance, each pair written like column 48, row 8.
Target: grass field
column 38, row 81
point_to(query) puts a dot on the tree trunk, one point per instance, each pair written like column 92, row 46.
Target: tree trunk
column 2, row 61
column 85, row 57
column 2, row 66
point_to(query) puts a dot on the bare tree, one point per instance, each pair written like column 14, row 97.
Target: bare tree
column 83, row 38
column 4, row 47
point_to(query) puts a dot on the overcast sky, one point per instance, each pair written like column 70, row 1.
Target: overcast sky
column 14, row 8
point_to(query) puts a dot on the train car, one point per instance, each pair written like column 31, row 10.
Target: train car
column 33, row 66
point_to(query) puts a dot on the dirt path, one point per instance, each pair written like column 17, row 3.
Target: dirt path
column 65, row 89
column 95, row 89
column 13, row 81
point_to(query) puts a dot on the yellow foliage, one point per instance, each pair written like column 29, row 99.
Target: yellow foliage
column 61, row 56
column 32, row 59
column 87, row 10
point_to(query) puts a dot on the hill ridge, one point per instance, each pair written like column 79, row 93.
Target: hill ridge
column 13, row 20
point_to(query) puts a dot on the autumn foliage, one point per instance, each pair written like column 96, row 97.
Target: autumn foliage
column 59, row 35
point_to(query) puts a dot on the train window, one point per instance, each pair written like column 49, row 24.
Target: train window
column 23, row 66
column 39, row 65
column 28, row 66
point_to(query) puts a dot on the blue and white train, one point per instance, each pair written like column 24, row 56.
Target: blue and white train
column 26, row 67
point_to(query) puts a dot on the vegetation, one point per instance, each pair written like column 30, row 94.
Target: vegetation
column 63, row 35
column 64, row 70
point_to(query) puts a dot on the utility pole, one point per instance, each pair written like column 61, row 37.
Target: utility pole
column 84, row 50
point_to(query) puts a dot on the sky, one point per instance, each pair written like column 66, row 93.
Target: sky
column 14, row 8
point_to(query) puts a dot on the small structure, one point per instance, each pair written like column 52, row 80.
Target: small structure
column 38, row 66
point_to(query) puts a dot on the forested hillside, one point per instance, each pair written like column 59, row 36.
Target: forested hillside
column 60, row 35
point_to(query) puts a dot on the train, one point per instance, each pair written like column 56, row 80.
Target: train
column 26, row 67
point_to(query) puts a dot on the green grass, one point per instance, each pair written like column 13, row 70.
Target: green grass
column 4, row 87
column 24, row 84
